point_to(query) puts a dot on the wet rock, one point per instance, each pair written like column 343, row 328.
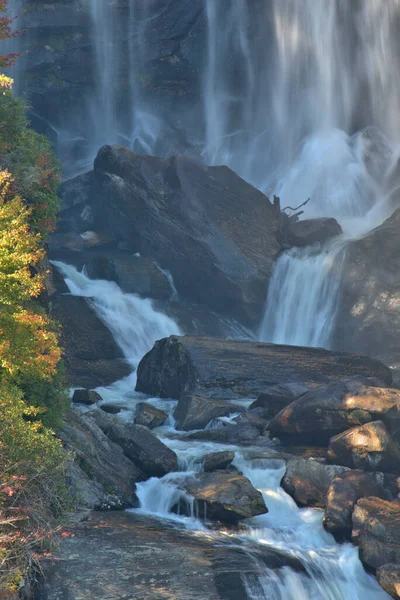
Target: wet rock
column 388, row 577
column 149, row 416
column 368, row 315
column 139, row 444
column 100, row 476
column 194, row 412
column 228, row 434
column 368, row 447
column 180, row 365
column 308, row 481
column 253, row 419
column 92, row 357
column 111, row 409
column 376, row 530
column 86, row 397
column 218, row 461
column 224, row 496
column 311, row 231
column 277, row 397
column 392, row 422
column 343, row 494
column 147, row 560
column 328, row 410
column 196, row 211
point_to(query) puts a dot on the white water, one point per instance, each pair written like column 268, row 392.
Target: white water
column 334, row 572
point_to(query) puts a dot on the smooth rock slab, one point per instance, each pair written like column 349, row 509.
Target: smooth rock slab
column 194, row 412
column 368, row 447
column 183, row 365
column 122, row 556
column 218, row 460
column 224, row 496
column 311, row 231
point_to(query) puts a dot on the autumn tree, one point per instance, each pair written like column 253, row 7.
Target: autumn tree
column 6, row 33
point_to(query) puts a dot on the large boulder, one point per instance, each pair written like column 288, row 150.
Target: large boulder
column 99, row 476
column 92, row 357
column 139, row 444
column 82, row 396
column 310, row 231
column 368, row 315
column 376, row 530
column 343, row 494
column 149, row 416
column 194, row 412
column 228, row 434
column 277, row 397
column 218, row 461
column 388, row 577
column 308, row 481
column 328, row 410
column 215, row 233
column 224, row 496
column 368, row 447
column 180, row 365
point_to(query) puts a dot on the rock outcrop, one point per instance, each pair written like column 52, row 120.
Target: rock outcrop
column 207, row 366
column 328, row 410
column 224, row 496
column 368, row 447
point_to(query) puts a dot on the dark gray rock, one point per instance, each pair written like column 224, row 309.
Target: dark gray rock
column 368, row 447
column 308, row 481
column 343, row 494
column 111, row 409
column 251, row 418
column 181, row 365
column 277, row 397
column 86, row 397
column 376, row 530
column 229, row 434
column 218, row 461
column 388, row 577
column 311, row 231
column 99, row 476
column 224, row 496
column 194, row 412
column 149, row 416
column 328, row 410
column 139, row 444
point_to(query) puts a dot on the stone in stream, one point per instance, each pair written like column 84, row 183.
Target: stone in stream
column 310, row 231
column 277, row 397
column 216, row 234
column 86, row 397
column 152, row 561
column 343, row 494
column 218, row 461
column 183, row 365
column 388, row 577
column 139, row 444
column 308, row 481
column 195, row 412
column 100, row 476
column 376, row 530
column 328, row 410
column 368, row 447
column 229, row 434
column 111, row 409
column 225, row 496
column 149, row 416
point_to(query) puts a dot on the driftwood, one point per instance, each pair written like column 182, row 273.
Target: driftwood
column 297, row 208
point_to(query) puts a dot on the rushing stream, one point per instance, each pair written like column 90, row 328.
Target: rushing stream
column 334, row 571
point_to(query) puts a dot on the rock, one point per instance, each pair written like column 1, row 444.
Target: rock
column 343, row 494
column 147, row 560
column 224, row 496
column 392, row 422
column 183, row 365
column 216, row 234
column 277, row 397
column 253, row 419
column 139, row 444
column 218, row 461
column 86, row 397
column 376, row 530
column 368, row 447
column 328, row 410
column 149, row 416
column 229, row 434
column 92, row 357
column 308, row 481
column 100, row 476
column 311, row 231
column 368, row 315
column 111, row 409
column 388, row 577
column 194, row 412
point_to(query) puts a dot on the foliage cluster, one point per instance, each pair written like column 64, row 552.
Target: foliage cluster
column 31, row 390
